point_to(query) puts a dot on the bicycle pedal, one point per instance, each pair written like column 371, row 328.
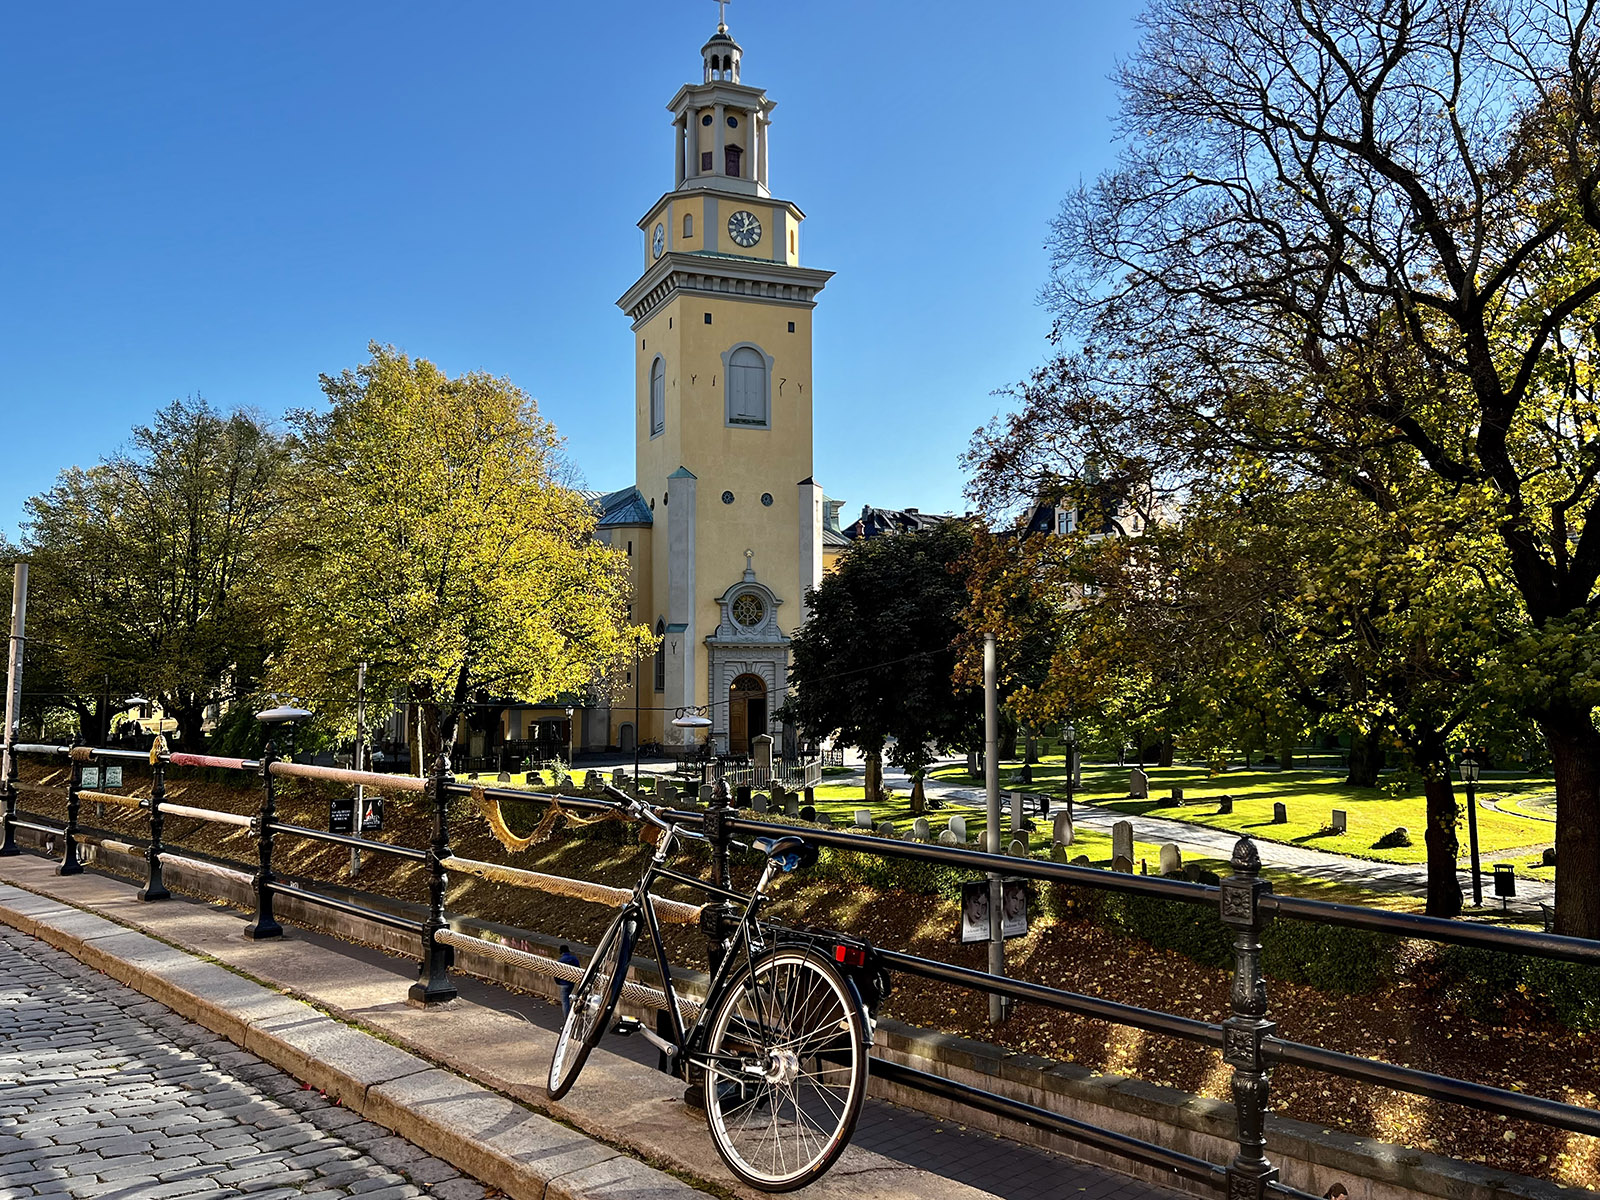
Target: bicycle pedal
column 626, row 1026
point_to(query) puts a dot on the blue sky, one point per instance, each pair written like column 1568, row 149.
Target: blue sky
column 226, row 200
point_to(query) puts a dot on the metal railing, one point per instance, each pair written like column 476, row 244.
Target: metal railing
column 1247, row 1039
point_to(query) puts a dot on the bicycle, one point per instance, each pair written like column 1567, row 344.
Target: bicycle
column 781, row 1040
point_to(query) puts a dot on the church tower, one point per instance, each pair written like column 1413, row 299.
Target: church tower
column 722, row 351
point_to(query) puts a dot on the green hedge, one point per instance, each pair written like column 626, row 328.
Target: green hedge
column 1500, row 988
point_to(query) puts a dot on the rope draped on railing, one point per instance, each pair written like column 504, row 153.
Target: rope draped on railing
column 489, row 807
column 674, row 912
column 640, row 994
column 207, row 814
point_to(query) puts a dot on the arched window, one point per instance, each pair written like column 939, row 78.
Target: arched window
column 661, row 656
column 749, row 374
column 688, row 225
column 658, row 396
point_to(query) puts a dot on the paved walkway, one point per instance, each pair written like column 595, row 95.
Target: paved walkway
column 1395, row 878
column 112, row 1095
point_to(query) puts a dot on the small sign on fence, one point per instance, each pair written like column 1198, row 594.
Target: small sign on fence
column 342, row 814
column 90, row 778
column 372, row 815
column 113, row 778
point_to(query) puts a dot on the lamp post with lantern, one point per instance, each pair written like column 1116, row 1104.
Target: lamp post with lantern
column 1470, row 767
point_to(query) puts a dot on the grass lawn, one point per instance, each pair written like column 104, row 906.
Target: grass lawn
column 1309, row 798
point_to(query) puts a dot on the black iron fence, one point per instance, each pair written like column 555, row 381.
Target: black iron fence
column 1248, row 1038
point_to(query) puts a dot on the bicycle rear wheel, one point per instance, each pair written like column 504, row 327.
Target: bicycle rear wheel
column 594, row 999
column 783, row 1098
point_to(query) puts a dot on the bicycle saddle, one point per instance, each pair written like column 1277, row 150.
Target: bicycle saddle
column 788, row 852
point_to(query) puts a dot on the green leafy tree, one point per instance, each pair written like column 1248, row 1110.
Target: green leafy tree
column 434, row 540
column 151, row 571
column 876, row 659
column 1338, row 229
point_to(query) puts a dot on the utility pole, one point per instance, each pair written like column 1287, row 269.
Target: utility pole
column 991, row 795
column 8, row 765
column 359, row 761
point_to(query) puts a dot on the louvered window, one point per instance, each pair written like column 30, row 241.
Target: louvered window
column 658, row 397
column 747, row 387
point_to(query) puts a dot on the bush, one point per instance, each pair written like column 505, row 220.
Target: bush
column 1501, row 988
column 883, row 873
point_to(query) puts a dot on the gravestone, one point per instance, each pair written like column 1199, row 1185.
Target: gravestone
column 958, row 829
column 1280, row 813
column 920, row 832
column 708, row 794
column 946, row 838
column 761, row 755
column 667, row 794
column 1018, row 821
column 1177, row 795
column 1340, row 822
column 1224, row 805
column 1017, row 849
column 1082, row 861
column 619, row 778
column 1122, row 841
column 863, row 818
column 777, row 797
column 505, row 777
column 1122, row 864
column 808, row 814
column 811, row 795
column 1138, row 785
column 1171, row 860
column 1058, row 854
column 741, row 796
column 759, row 803
column 593, row 781
column 886, row 829
column 1061, row 832
column 791, row 805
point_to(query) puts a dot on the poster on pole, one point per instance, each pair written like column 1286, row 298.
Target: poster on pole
column 113, row 778
column 342, row 814
column 974, row 912
column 372, row 814
column 1014, row 909
column 90, row 778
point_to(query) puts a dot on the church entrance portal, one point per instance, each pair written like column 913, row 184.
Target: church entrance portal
column 747, row 712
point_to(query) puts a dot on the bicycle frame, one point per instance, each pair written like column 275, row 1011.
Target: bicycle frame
column 684, row 1039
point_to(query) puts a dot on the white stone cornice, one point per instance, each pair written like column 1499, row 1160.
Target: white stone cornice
column 698, row 188
column 721, row 276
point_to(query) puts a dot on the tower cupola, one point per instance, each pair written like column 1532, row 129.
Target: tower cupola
column 722, row 55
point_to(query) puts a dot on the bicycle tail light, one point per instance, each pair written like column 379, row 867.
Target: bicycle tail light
column 850, row 956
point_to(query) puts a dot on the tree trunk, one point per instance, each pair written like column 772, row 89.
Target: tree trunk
column 1286, row 757
column 1366, row 758
column 919, row 798
column 874, row 791
column 1444, row 885
column 1575, row 751
column 1164, row 755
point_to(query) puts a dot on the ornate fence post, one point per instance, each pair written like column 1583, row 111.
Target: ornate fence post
column 8, row 804
column 265, row 925
column 155, row 888
column 69, row 837
column 1243, row 1032
column 433, row 984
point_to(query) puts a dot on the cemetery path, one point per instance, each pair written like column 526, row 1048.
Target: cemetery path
column 1395, row 878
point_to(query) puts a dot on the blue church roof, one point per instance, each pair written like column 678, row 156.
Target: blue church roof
column 626, row 506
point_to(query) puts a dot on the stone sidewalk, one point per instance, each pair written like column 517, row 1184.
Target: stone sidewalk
column 112, row 1095
column 503, row 1041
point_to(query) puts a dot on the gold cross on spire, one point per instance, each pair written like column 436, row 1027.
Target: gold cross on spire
column 722, row 16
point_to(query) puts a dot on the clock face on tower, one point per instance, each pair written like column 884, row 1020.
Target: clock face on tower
column 744, row 229
column 658, row 242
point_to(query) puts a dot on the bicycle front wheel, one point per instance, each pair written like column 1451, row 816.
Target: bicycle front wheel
column 594, row 999
column 786, row 1069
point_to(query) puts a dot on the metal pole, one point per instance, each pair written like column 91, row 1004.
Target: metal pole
column 359, row 760
column 265, row 925
column 70, row 865
column 8, row 767
column 433, row 984
column 155, row 887
column 1472, row 835
column 638, row 687
column 1244, row 1031
column 991, row 792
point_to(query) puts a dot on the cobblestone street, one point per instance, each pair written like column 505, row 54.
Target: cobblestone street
column 105, row 1093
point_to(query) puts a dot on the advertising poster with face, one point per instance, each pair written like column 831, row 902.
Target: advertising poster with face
column 1014, row 909
column 975, row 912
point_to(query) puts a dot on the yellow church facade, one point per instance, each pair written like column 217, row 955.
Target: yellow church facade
column 724, row 525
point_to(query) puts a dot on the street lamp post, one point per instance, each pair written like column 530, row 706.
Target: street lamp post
column 1469, row 776
column 570, row 738
column 1071, row 737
